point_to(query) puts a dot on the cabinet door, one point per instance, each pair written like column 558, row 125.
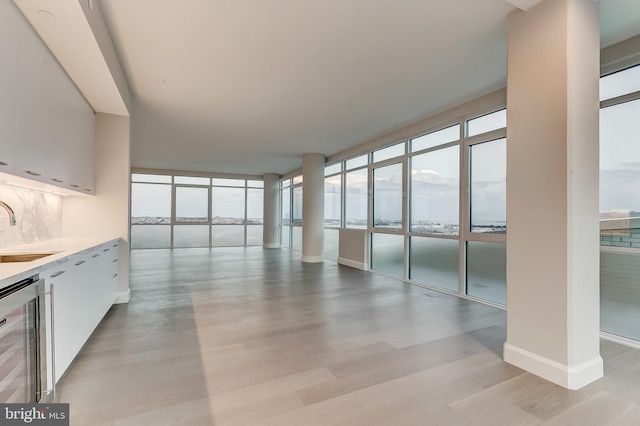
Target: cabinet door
column 94, row 313
column 69, row 332
column 46, row 125
column 115, row 270
column 8, row 86
column 110, row 275
column 61, row 127
column 102, row 290
column 34, row 61
column 82, row 147
column 71, row 134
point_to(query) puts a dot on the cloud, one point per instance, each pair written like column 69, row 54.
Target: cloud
column 424, row 172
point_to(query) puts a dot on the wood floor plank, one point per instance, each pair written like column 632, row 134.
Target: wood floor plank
column 431, row 350
column 526, row 392
column 631, row 418
column 255, row 411
column 602, row 408
column 270, row 388
column 435, row 388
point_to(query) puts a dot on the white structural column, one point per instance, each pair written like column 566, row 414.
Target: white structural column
column 313, row 208
column 270, row 222
column 553, row 305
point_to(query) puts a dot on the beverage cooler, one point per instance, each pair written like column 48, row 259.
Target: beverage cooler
column 22, row 342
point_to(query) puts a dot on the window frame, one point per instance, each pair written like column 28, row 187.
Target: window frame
column 340, row 196
column 209, row 223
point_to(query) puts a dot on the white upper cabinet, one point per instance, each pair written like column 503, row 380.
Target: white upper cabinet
column 60, row 122
column 71, row 133
column 46, row 125
column 82, row 170
column 33, row 106
column 8, row 89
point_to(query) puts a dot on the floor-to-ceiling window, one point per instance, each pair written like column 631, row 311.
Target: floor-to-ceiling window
column 172, row 211
column 151, row 206
column 485, row 207
column 332, row 210
column 434, row 206
column 296, row 214
column 355, row 183
column 191, row 228
column 386, row 223
column 620, row 203
column 227, row 211
column 291, row 213
column 255, row 206
column 285, row 213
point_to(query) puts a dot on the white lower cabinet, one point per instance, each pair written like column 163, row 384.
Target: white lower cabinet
column 67, row 284
column 81, row 292
column 102, row 287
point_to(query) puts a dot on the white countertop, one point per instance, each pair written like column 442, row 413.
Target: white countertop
column 63, row 248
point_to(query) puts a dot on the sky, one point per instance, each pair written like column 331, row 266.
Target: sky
column 155, row 200
column 620, row 157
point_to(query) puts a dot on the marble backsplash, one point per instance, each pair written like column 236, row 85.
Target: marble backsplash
column 38, row 216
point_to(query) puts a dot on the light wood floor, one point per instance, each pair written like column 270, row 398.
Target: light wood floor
column 250, row 336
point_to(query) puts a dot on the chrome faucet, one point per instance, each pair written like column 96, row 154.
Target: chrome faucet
column 12, row 214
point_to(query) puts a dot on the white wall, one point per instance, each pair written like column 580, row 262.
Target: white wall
column 354, row 248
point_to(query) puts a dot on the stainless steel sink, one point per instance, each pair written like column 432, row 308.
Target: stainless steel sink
column 23, row 257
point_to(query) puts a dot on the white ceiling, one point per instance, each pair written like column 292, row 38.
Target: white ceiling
column 248, row 86
column 67, row 32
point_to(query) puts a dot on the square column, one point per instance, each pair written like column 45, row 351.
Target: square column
column 313, row 208
column 553, row 299
column 270, row 237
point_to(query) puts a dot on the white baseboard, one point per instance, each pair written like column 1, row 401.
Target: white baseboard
column 271, row 245
column 312, row 259
column 124, row 296
column 570, row 377
column 620, row 340
column 353, row 264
